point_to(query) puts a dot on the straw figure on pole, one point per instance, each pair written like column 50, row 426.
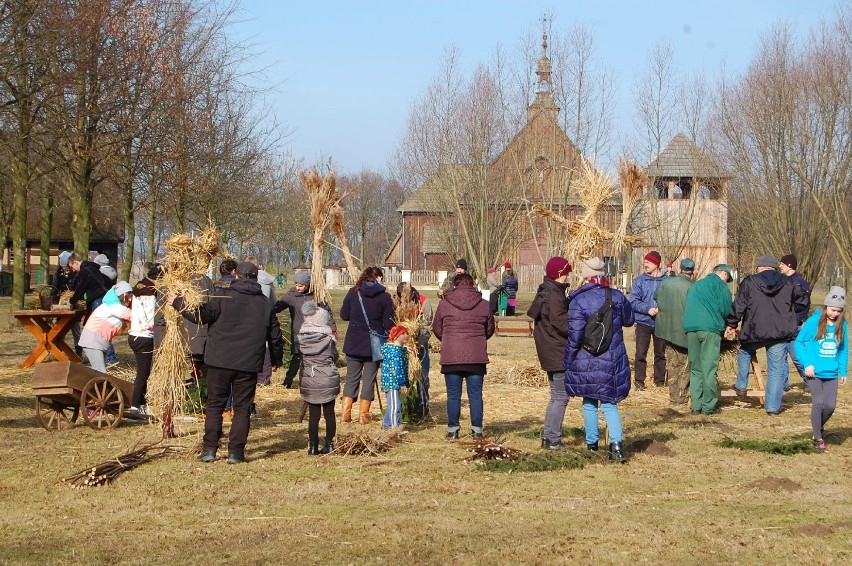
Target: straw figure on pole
column 323, row 197
column 594, row 190
column 338, row 227
column 409, row 314
column 185, row 258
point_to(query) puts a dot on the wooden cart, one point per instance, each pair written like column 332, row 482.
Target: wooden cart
column 63, row 390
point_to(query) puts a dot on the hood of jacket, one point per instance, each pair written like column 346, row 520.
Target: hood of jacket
column 770, row 282
column 313, row 343
column 372, row 289
column 582, row 289
column 265, row 278
column 464, row 298
column 246, row 287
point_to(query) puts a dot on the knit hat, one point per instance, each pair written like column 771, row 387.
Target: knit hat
column 654, row 257
column 492, row 270
column 122, row 287
column 302, row 277
column 768, row 260
column 557, row 266
column 246, row 270
column 396, row 332
column 63, row 258
column 507, row 265
column 686, row 264
column 101, row 259
column 316, row 319
column 592, row 267
column 461, row 264
column 836, row 298
column 790, row 261
column 726, row 268
column 109, row 271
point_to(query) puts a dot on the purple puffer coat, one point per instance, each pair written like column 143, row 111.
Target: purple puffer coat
column 379, row 307
column 463, row 323
column 605, row 377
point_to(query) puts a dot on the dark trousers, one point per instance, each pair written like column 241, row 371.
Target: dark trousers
column 293, row 368
column 143, row 349
column 644, row 334
column 327, row 410
column 221, row 383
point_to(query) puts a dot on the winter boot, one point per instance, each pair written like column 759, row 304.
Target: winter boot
column 364, row 412
column 593, row 446
column 329, row 446
column 347, row 410
column 616, row 453
column 313, row 447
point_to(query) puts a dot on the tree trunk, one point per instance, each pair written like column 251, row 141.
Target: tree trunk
column 46, row 229
column 152, row 232
column 81, row 219
column 129, row 231
column 19, row 234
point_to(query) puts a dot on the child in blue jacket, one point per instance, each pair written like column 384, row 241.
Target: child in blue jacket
column 394, row 378
column 823, row 348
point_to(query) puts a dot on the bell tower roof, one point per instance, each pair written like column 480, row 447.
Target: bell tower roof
column 544, row 86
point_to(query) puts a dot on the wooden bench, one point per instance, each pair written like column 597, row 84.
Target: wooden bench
column 513, row 326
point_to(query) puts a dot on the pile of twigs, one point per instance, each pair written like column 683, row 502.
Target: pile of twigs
column 364, row 444
column 484, row 449
column 105, row 473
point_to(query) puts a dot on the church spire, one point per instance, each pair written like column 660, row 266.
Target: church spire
column 544, row 87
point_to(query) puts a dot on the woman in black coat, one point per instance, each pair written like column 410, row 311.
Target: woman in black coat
column 378, row 306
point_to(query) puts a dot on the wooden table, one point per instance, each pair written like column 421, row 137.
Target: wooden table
column 50, row 328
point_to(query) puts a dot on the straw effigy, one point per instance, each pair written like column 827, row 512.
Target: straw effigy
column 323, row 197
column 186, row 258
column 338, row 227
column 408, row 314
column 633, row 181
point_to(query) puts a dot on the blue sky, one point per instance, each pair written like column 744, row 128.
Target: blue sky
column 344, row 73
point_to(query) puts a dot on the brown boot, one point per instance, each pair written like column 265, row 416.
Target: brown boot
column 347, row 410
column 364, row 412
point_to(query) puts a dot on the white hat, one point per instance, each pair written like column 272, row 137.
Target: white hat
column 592, row 267
column 63, row 258
column 317, row 319
column 122, row 287
column 101, row 259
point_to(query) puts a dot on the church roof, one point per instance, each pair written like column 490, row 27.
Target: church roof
column 682, row 158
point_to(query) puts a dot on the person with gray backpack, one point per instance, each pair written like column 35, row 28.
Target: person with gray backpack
column 596, row 364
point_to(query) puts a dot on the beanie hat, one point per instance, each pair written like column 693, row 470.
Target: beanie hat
column 63, row 258
column 396, row 332
column 507, row 265
column 592, row 267
column 836, row 298
column 461, row 264
column 247, row 270
column 109, row 271
column 557, row 266
column 155, row 272
column 790, row 261
column 316, row 319
column 302, row 277
column 101, row 259
column 686, row 264
column 768, row 260
column 654, row 257
column 122, row 287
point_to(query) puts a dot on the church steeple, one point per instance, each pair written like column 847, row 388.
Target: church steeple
column 544, row 87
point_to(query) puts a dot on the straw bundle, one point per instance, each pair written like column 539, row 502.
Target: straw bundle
column 186, row 258
column 323, row 197
column 409, row 315
column 338, row 227
column 633, row 181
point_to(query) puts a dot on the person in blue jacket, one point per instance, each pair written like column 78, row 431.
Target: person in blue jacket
column 603, row 379
column 822, row 347
column 645, row 308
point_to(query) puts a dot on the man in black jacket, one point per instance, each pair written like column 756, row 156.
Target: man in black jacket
column 549, row 310
column 766, row 303
column 90, row 284
column 240, row 323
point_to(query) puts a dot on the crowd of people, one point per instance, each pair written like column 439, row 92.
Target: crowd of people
column 236, row 341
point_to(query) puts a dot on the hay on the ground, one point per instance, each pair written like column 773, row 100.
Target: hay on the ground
column 367, row 444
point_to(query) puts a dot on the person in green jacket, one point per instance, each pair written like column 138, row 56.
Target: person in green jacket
column 707, row 304
column 670, row 297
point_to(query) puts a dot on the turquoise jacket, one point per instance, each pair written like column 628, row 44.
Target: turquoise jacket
column 394, row 367
column 829, row 358
column 707, row 303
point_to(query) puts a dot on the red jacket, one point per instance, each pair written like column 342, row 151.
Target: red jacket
column 463, row 322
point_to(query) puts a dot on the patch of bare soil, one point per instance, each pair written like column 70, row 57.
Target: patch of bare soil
column 775, row 484
column 650, row 447
column 821, row 529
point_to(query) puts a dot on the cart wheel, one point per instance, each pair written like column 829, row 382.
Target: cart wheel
column 55, row 416
column 102, row 404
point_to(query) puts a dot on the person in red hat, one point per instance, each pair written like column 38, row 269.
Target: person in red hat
column 549, row 310
column 645, row 310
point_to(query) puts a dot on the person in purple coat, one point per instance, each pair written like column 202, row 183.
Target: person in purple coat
column 361, row 370
column 602, row 380
column 463, row 323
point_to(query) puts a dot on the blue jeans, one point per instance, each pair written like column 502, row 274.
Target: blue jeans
column 474, row 397
column 791, row 351
column 393, row 412
column 590, row 420
column 776, row 356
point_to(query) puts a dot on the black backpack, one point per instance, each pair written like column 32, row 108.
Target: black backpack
column 597, row 336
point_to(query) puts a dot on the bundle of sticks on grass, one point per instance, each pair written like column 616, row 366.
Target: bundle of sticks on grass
column 484, row 449
column 325, row 211
column 595, row 189
column 186, row 259
column 365, row 444
column 106, row 472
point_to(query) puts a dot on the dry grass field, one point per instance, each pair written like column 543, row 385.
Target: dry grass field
column 680, row 499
